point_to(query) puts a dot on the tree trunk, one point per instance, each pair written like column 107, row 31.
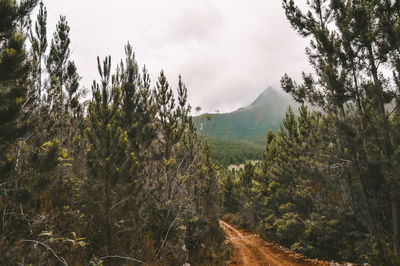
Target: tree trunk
column 395, row 221
column 108, row 219
column 388, row 150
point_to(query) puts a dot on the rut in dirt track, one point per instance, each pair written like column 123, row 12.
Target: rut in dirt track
column 250, row 249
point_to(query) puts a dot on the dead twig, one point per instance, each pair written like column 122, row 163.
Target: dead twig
column 121, row 257
column 61, row 259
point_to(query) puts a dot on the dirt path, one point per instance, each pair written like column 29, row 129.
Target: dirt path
column 249, row 249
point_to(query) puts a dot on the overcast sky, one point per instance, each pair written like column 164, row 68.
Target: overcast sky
column 227, row 51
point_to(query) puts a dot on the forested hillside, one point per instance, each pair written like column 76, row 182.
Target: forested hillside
column 121, row 178
column 248, row 124
column 329, row 183
column 227, row 152
column 240, row 135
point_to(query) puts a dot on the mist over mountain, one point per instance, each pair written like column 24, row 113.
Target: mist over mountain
column 248, row 124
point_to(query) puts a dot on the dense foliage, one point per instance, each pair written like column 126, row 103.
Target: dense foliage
column 329, row 185
column 122, row 178
column 227, row 152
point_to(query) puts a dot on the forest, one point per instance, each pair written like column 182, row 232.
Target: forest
column 120, row 178
column 328, row 186
column 118, row 175
column 225, row 152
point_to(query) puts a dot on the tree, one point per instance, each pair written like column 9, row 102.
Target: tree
column 114, row 193
column 14, row 71
column 62, row 96
column 351, row 43
column 38, row 39
column 138, row 108
column 166, row 113
column 228, row 192
column 111, row 165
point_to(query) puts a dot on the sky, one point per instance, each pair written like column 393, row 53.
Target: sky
column 227, row 51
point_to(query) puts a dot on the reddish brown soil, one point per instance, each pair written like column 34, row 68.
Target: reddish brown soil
column 249, row 249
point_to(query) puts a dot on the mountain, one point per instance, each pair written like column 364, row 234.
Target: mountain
column 249, row 124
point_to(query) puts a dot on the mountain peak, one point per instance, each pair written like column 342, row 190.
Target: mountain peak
column 264, row 96
column 250, row 124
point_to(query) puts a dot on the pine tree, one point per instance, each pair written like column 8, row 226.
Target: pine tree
column 166, row 113
column 38, row 40
column 351, row 83
column 111, row 165
column 228, row 192
column 138, row 109
column 112, row 193
column 62, row 96
column 14, row 72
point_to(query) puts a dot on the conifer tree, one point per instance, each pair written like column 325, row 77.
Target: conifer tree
column 109, row 195
column 14, row 71
column 350, row 83
column 38, row 39
column 111, row 164
column 62, row 96
column 183, row 109
column 228, row 192
column 138, row 109
column 166, row 113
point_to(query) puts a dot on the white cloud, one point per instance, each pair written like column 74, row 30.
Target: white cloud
column 228, row 51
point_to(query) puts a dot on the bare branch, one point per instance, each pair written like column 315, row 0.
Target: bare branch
column 123, row 258
column 61, row 259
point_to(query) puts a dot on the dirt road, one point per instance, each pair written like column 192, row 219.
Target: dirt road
column 249, row 249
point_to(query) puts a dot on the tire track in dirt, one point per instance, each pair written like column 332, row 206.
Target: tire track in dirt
column 249, row 249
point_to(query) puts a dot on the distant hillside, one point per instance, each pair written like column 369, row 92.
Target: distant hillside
column 227, row 152
column 250, row 124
